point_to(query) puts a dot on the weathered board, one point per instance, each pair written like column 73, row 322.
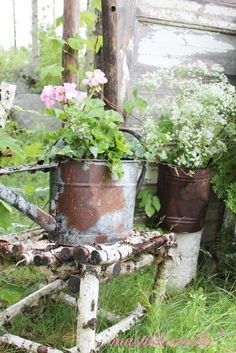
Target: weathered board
column 155, row 34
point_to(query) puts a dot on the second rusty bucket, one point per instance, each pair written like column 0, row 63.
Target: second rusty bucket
column 183, row 196
column 89, row 204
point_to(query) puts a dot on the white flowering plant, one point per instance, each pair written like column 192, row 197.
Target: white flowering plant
column 192, row 126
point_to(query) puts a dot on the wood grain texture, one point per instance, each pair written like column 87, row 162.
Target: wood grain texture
column 70, row 28
column 109, row 27
column 195, row 13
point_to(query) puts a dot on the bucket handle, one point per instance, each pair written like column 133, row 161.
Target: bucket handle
column 144, row 162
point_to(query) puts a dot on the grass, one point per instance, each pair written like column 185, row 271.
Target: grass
column 205, row 309
column 33, row 187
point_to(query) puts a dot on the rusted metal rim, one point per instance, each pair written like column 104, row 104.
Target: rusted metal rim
column 100, row 160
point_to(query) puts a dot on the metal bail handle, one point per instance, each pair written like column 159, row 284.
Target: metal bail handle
column 144, row 162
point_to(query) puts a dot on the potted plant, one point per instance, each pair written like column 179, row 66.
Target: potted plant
column 93, row 189
column 188, row 137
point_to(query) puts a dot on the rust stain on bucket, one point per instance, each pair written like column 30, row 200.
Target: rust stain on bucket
column 89, row 204
column 184, row 198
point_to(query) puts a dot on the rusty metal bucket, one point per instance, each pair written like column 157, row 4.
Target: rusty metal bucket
column 89, row 204
column 184, row 198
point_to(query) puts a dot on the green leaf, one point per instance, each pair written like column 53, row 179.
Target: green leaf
column 55, row 42
column 116, row 117
column 140, row 103
column 11, row 293
column 98, row 43
column 34, row 150
column 88, row 19
column 59, row 21
column 53, row 71
column 135, row 92
column 150, row 210
column 8, row 142
column 96, row 4
column 76, row 43
column 18, row 108
column 128, row 106
column 94, row 151
column 29, row 189
column 156, row 203
column 73, row 69
column 5, row 212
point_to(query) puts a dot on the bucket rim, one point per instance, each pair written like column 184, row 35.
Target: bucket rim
column 98, row 161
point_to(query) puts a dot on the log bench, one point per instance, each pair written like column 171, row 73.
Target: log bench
column 82, row 268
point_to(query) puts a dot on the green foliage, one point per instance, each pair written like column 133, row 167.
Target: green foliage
column 90, row 132
column 224, row 177
column 12, row 59
column 14, row 150
column 51, row 72
column 88, row 19
column 15, row 284
column 225, row 252
column 34, row 187
column 137, row 102
column 51, row 46
column 149, row 202
column 50, row 49
column 9, row 147
column 5, row 212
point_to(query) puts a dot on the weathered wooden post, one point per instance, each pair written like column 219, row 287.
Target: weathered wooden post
column 110, row 59
column 70, row 28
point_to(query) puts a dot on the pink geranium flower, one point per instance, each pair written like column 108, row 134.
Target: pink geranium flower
column 60, row 94
column 48, row 96
column 94, row 79
column 70, row 90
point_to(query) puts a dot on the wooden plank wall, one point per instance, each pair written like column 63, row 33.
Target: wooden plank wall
column 157, row 33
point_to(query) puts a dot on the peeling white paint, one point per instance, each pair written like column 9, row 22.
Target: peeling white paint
column 125, row 74
column 189, row 12
column 162, row 47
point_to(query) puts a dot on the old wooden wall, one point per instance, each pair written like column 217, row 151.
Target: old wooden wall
column 153, row 34
column 162, row 33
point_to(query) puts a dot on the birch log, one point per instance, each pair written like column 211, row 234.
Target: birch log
column 24, row 235
column 5, row 248
column 22, row 343
column 87, row 310
column 48, row 258
column 66, row 254
column 74, row 283
column 112, row 332
column 28, row 168
column 108, row 254
column 39, row 216
column 7, row 94
column 72, row 301
column 32, row 299
column 22, row 247
column 82, row 253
